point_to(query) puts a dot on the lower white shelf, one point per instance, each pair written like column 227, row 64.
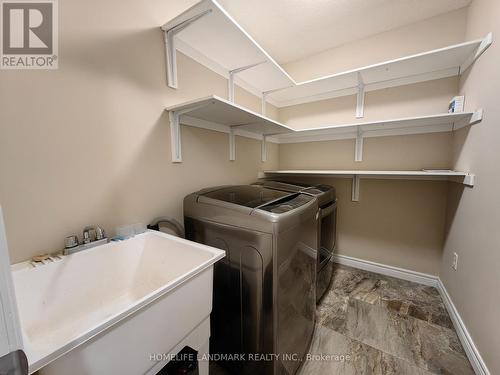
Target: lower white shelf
column 465, row 178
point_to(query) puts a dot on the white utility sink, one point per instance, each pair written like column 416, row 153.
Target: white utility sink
column 119, row 308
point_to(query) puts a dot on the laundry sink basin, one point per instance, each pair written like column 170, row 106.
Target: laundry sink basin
column 123, row 307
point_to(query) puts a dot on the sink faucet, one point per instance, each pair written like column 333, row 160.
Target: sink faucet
column 86, row 234
column 93, row 235
column 98, row 233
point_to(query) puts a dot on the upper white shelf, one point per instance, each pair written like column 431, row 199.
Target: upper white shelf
column 439, row 63
column 221, row 115
column 209, row 35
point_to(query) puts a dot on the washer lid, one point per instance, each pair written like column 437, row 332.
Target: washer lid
column 288, row 204
column 279, row 185
column 325, row 193
column 246, row 195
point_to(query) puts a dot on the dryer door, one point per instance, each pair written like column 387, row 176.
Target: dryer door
column 328, row 233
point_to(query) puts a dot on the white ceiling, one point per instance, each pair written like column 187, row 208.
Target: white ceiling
column 293, row 29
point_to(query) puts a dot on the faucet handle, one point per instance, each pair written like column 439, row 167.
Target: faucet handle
column 71, row 242
column 86, row 237
column 99, row 233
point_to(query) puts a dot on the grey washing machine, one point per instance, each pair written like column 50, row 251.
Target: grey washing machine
column 327, row 225
column 264, row 289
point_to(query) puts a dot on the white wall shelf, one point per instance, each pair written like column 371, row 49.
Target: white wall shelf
column 209, row 35
column 455, row 176
column 444, row 122
column 440, row 63
column 221, row 115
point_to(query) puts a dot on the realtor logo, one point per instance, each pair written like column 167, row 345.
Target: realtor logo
column 29, row 34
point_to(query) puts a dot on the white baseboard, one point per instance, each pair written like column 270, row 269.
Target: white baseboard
column 422, row 278
column 383, row 269
column 463, row 334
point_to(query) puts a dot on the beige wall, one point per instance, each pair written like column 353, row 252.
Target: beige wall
column 409, row 152
column 474, row 214
column 90, row 143
column 400, row 223
column 425, row 98
column 396, row 222
column 436, row 32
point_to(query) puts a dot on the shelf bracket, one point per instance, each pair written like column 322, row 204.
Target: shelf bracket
column 360, row 103
column 230, row 82
column 175, row 137
column 358, row 148
column 230, row 87
column 264, row 103
column 232, row 145
column 264, row 148
column 170, row 50
column 175, row 131
column 355, row 188
column 171, row 59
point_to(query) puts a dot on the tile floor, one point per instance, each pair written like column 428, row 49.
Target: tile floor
column 373, row 324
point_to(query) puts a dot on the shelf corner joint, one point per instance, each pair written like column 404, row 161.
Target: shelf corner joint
column 477, row 116
column 483, row 46
column 469, row 179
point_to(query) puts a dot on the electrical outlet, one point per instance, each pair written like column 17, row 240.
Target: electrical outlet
column 454, row 265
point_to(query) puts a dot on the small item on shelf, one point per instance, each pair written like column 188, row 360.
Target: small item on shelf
column 456, row 104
